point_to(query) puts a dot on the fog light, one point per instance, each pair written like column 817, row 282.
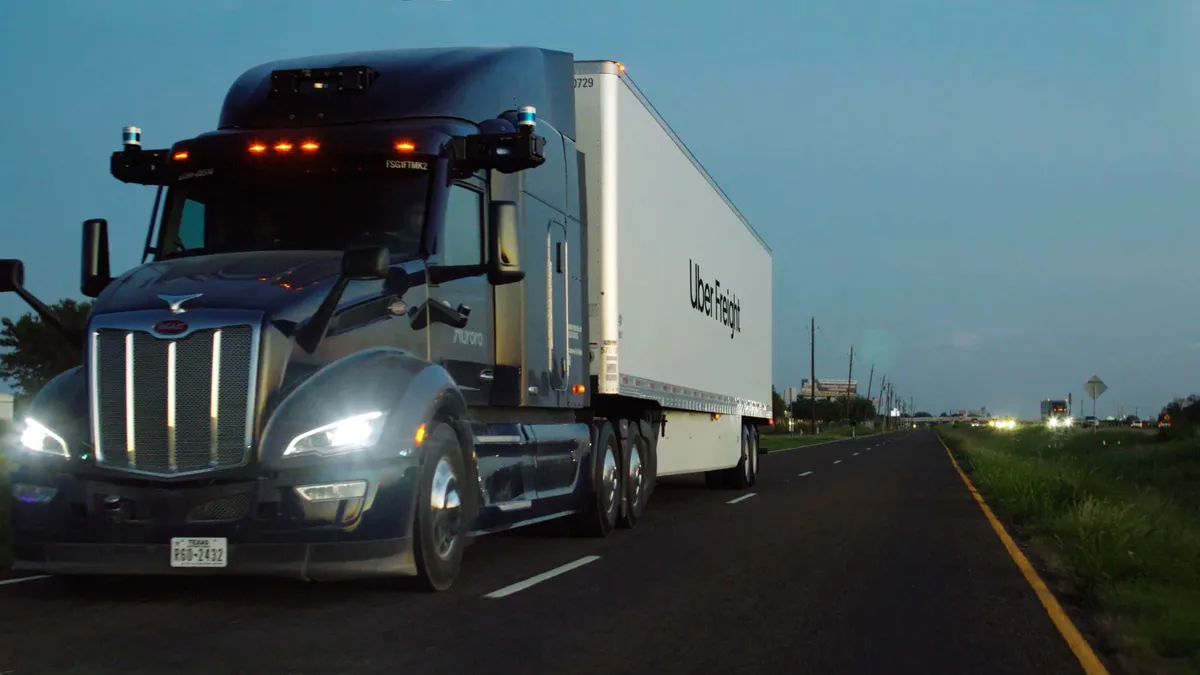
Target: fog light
column 332, row 492
column 33, row 494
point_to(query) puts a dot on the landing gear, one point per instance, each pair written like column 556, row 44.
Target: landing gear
column 745, row 474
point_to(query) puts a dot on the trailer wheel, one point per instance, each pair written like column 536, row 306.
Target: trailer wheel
column 599, row 516
column 639, row 478
column 439, row 530
column 754, row 454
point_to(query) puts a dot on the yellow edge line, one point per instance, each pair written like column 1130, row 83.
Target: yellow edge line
column 1075, row 640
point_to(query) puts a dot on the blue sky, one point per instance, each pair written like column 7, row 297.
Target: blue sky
column 991, row 200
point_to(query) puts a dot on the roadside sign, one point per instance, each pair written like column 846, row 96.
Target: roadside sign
column 1095, row 387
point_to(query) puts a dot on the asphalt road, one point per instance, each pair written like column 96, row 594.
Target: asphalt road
column 862, row 556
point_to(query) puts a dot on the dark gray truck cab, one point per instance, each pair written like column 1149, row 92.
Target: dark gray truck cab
column 334, row 360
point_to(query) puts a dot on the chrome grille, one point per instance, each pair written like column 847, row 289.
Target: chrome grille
column 173, row 405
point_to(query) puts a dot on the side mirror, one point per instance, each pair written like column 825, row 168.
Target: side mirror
column 12, row 280
column 504, row 245
column 366, row 262
column 12, row 275
column 95, row 275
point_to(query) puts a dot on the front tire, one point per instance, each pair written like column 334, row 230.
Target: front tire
column 440, row 527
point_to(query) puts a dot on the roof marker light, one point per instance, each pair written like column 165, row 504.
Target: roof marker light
column 405, row 146
column 180, row 156
column 283, row 146
column 309, row 146
column 258, row 148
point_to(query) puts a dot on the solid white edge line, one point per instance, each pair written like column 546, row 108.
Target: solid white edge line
column 537, row 579
column 741, row 499
column 21, row 580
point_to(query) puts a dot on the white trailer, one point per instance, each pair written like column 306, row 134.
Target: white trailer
column 680, row 283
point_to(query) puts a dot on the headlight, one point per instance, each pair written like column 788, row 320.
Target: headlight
column 346, row 435
column 36, row 437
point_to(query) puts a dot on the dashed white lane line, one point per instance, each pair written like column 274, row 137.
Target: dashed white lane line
column 741, row 499
column 21, row 580
column 837, row 461
column 856, row 454
column 535, row 580
column 806, row 473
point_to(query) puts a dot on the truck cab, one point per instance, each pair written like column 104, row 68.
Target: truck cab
column 325, row 365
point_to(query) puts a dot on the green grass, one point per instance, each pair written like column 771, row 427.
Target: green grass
column 780, row 441
column 1116, row 514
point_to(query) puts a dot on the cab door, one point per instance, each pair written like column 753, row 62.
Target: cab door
column 461, row 335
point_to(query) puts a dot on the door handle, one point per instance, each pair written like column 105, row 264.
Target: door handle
column 487, row 375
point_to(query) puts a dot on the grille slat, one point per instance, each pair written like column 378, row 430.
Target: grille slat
column 211, row 363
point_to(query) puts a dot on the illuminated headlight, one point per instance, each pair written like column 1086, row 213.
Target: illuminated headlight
column 36, row 437
column 346, row 435
column 1067, row 421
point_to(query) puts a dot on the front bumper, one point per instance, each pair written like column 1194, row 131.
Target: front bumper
column 124, row 525
column 388, row 557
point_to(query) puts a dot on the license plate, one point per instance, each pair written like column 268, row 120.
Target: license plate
column 201, row 552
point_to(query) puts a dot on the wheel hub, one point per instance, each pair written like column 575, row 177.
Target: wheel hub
column 446, row 509
column 611, row 480
column 636, row 473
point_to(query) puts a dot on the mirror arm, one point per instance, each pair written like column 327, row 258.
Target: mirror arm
column 312, row 332
column 73, row 335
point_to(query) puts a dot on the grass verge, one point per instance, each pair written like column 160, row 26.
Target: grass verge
column 1116, row 515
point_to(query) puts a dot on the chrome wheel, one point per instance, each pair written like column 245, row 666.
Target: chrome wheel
column 610, row 481
column 446, row 511
column 636, row 475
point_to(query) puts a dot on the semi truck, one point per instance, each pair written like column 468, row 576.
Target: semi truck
column 1055, row 413
column 397, row 300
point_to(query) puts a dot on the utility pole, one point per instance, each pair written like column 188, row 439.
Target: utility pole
column 870, row 381
column 879, row 403
column 887, row 408
column 812, row 373
column 849, row 396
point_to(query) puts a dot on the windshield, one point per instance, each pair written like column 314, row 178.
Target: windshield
column 263, row 211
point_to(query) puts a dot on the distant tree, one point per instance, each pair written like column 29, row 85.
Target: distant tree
column 36, row 351
column 834, row 409
column 777, row 404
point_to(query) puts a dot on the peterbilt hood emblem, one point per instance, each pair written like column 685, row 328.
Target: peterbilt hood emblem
column 175, row 302
column 170, row 327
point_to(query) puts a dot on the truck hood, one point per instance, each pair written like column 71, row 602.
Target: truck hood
column 270, row 281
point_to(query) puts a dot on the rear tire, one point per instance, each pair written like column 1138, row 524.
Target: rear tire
column 599, row 516
column 440, row 527
column 638, row 467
